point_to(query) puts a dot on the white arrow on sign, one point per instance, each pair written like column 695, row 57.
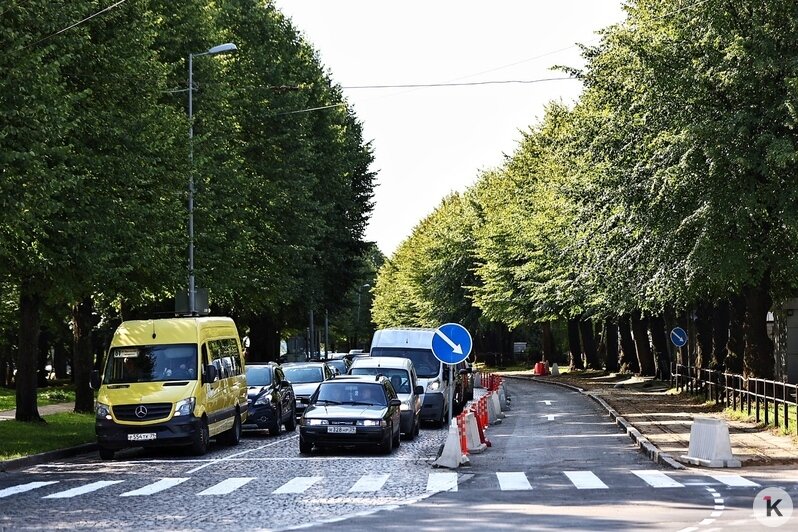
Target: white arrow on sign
column 455, row 347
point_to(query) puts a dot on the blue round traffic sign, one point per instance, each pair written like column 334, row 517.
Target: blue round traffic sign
column 678, row 337
column 451, row 343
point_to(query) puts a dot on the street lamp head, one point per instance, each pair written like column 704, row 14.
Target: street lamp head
column 222, row 48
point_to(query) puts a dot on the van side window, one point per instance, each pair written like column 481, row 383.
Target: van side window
column 231, row 350
column 215, row 349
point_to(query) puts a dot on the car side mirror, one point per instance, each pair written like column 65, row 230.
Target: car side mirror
column 419, row 390
column 285, row 383
column 211, row 373
column 395, row 402
column 94, row 380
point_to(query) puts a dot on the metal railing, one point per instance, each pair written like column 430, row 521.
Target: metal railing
column 770, row 401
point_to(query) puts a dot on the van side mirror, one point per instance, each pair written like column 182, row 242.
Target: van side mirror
column 211, row 373
column 94, row 380
column 419, row 390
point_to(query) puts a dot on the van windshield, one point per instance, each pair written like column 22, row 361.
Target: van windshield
column 427, row 366
column 151, row 363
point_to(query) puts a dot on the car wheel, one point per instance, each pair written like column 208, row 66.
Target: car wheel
column 106, row 453
column 274, row 430
column 397, row 440
column 233, row 436
column 387, row 445
column 290, row 423
column 304, row 447
column 418, row 426
column 201, row 438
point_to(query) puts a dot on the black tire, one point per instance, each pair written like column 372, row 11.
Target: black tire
column 387, row 445
column 397, row 441
column 277, row 426
column 201, row 439
column 106, row 453
column 418, row 427
column 304, row 447
column 233, row 436
column 290, row 423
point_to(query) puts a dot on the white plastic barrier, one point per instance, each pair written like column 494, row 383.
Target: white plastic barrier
column 555, row 370
column 451, row 455
column 473, row 442
column 710, row 444
column 502, row 398
column 494, row 398
column 477, row 379
column 493, row 410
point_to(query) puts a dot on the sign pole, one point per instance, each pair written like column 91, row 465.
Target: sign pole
column 451, row 396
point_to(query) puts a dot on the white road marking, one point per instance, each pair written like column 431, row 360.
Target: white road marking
column 715, row 514
column 585, row 480
column 735, row 481
column 155, row 487
column 22, row 488
column 658, row 479
column 88, row 488
column 706, row 522
column 227, row 486
column 551, row 417
column 369, row 483
column 548, row 403
column 442, row 482
column 239, row 454
column 513, row 481
column 297, row 485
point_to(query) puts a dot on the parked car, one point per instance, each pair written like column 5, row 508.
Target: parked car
column 305, row 378
column 402, row 374
column 340, row 365
column 271, row 399
column 349, row 411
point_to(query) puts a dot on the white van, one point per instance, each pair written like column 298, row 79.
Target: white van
column 416, row 344
column 402, row 374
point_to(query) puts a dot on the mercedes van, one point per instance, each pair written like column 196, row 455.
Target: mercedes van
column 415, row 344
column 166, row 382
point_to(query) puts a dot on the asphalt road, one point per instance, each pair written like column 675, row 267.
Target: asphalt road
column 557, row 463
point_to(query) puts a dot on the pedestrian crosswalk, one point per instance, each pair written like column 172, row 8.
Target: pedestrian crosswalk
column 436, row 481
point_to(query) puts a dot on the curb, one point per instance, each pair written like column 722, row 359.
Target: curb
column 654, row 453
column 35, row 459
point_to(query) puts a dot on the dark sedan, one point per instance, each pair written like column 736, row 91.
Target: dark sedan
column 305, row 378
column 351, row 411
column 270, row 398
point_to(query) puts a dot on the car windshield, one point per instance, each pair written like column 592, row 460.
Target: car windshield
column 259, row 376
column 427, row 366
column 151, row 363
column 398, row 377
column 351, row 393
column 339, row 364
column 303, row 374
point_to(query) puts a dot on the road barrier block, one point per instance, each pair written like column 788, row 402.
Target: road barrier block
column 710, row 444
column 474, row 443
column 451, row 456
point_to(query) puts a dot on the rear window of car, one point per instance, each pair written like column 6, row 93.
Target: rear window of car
column 301, row 375
column 399, row 378
column 357, row 393
column 427, row 366
column 259, row 376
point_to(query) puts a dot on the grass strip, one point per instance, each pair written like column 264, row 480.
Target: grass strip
column 60, row 431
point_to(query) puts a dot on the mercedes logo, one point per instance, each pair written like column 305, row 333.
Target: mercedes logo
column 141, row 411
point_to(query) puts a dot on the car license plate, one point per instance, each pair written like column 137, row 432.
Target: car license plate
column 342, row 430
column 139, row 436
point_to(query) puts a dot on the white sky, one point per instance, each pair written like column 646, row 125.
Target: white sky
column 430, row 142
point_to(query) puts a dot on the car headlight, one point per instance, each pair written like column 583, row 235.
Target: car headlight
column 185, row 407
column 264, row 399
column 102, row 411
column 434, row 386
column 371, row 422
column 317, row 422
column 404, row 407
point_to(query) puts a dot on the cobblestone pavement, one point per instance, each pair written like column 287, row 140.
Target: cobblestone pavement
column 263, row 483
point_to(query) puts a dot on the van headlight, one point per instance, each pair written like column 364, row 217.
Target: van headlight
column 102, row 411
column 434, row 386
column 185, row 407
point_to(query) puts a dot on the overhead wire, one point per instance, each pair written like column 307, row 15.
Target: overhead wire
column 78, row 23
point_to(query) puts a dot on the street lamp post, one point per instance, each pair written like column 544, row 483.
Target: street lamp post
column 220, row 49
column 357, row 319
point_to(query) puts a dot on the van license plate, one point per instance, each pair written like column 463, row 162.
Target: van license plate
column 342, row 430
column 139, row 436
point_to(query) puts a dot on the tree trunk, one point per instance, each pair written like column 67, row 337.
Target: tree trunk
column 720, row 335
column 83, row 360
column 735, row 346
column 573, row 344
column 644, row 356
column 759, row 359
column 628, row 348
column 611, row 345
column 29, row 328
column 703, row 334
column 547, row 341
column 683, row 353
column 589, row 344
column 660, row 342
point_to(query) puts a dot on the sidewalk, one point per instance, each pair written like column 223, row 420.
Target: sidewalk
column 6, row 415
column 665, row 419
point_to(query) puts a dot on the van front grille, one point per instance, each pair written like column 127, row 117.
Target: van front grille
column 142, row 412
